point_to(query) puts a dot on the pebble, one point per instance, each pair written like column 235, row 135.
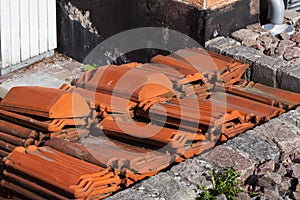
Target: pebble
column 291, row 53
column 266, row 167
column 286, row 43
column 296, row 39
column 296, row 170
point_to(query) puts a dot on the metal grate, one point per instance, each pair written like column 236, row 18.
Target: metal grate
column 293, row 4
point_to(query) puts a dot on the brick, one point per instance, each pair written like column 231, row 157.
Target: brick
column 286, row 137
column 224, row 156
column 291, row 79
column 257, row 147
column 222, row 45
column 161, row 186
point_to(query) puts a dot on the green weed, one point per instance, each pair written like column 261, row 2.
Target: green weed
column 226, row 183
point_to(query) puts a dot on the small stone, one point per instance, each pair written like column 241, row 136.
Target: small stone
column 296, row 39
column 281, row 170
column 269, row 51
column 292, row 53
column 286, row 43
column 284, row 36
column 221, row 197
column 285, row 157
column 269, row 181
column 243, row 195
column 298, row 187
column 279, row 51
column 292, row 16
column 241, row 34
column 258, row 46
column 295, row 62
column 154, row 195
column 271, row 194
column 296, row 195
column 285, row 185
column 274, row 177
column 249, row 42
column 296, row 170
column 296, row 158
column 268, row 41
column 267, row 167
column 257, row 29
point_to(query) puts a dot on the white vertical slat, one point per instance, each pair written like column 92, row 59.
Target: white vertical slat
column 5, row 33
column 52, row 35
column 15, row 32
column 43, row 26
column 24, row 29
column 34, row 27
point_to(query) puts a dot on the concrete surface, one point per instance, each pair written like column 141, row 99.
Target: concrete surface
column 49, row 72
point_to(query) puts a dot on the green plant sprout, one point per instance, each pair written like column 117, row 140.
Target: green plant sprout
column 90, row 67
column 223, row 183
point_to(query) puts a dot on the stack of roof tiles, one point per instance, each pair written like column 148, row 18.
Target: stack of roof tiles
column 119, row 124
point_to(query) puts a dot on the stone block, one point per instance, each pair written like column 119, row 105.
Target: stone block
column 241, row 34
column 266, row 70
column 291, row 117
column 161, row 186
column 257, row 147
column 291, row 79
column 225, row 156
column 286, row 137
column 213, row 42
column 221, row 45
column 194, row 170
column 245, row 54
column 257, row 29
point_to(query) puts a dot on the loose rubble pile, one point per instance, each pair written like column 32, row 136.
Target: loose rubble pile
column 117, row 125
column 273, row 180
column 283, row 47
